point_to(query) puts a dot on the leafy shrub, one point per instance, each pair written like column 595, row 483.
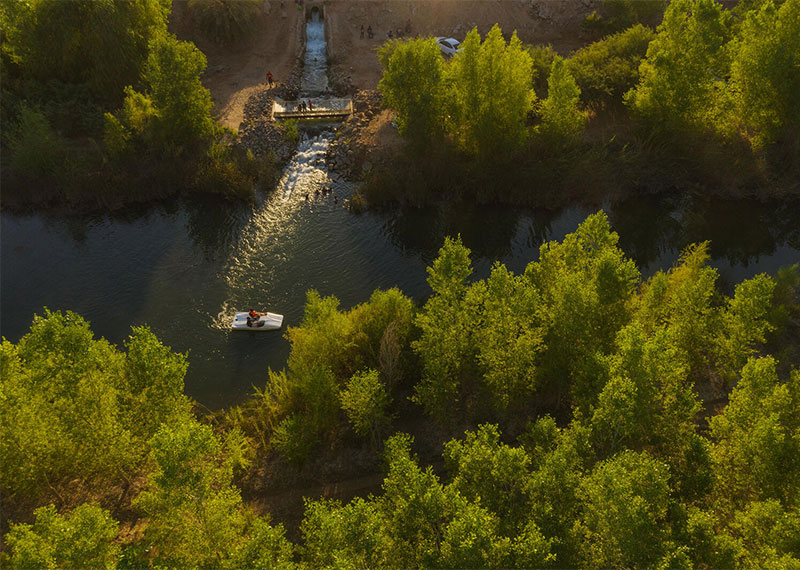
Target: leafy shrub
column 365, row 400
column 219, row 172
column 617, row 15
column 84, row 538
column 225, row 22
column 36, row 149
column 290, row 131
column 607, row 69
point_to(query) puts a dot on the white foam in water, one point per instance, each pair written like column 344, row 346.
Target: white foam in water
column 306, row 171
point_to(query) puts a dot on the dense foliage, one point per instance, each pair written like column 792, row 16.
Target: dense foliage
column 75, row 407
column 625, row 478
column 113, row 105
column 478, row 101
column 102, row 44
column 664, row 109
column 226, row 21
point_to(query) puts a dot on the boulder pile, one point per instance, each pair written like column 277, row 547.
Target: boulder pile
column 348, row 150
column 258, row 132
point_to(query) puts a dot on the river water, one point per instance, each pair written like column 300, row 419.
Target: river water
column 184, row 268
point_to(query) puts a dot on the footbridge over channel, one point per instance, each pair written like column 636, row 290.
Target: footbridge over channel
column 320, row 108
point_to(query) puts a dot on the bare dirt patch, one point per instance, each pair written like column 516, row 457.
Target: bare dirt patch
column 235, row 73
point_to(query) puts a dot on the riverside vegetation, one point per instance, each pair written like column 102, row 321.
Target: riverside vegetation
column 572, row 393
column 104, row 107
column 707, row 101
column 575, row 415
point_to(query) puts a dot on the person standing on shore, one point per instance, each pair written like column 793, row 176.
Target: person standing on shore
column 269, row 78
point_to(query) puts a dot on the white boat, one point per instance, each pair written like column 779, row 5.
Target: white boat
column 266, row 322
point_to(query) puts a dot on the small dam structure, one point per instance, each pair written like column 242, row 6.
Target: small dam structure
column 313, row 102
column 320, row 108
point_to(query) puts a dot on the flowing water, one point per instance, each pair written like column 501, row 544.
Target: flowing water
column 314, row 81
column 184, row 268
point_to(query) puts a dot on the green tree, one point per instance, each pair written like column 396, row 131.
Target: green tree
column 542, row 59
column 682, row 75
column 60, row 414
column 511, row 337
column 101, row 43
column 76, row 407
column 265, row 548
column 84, row 538
column 153, row 385
column 194, row 514
column 365, row 402
column 174, row 111
column 647, row 402
column 562, row 119
column 434, row 525
column 757, row 438
column 445, row 345
column 172, row 74
column 624, row 520
column 494, row 474
column 585, row 284
column 352, row 536
column 489, row 96
column 555, row 489
column 765, row 73
column 716, row 334
column 767, row 536
column 412, row 86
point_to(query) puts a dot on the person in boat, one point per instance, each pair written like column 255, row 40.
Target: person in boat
column 253, row 317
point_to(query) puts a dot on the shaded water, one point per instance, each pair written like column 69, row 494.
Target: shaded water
column 183, row 269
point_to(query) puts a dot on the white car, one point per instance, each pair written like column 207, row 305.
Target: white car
column 449, row 46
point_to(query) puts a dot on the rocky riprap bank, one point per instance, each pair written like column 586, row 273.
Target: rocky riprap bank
column 347, row 152
column 258, row 132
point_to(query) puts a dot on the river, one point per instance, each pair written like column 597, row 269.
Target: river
column 183, row 268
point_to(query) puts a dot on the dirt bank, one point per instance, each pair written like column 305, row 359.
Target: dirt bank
column 235, row 73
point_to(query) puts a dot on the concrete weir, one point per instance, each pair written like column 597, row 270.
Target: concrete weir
column 314, row 102
column 321, row 107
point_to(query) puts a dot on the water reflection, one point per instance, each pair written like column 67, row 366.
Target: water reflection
column 487, row 231
column 214, row 224
column 648, row 227
column 653, row 230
